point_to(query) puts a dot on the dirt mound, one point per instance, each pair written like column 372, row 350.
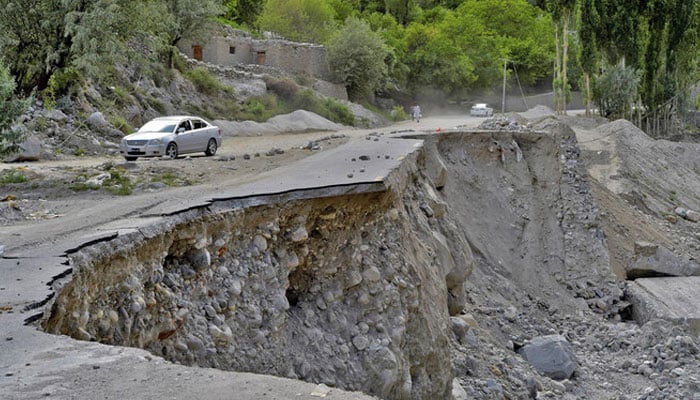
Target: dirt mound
column 538, row 111
column 657, row 175
column 297, row 121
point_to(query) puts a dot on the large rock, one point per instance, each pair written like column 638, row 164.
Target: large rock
column 551, row 356
column 30, row 150
column 674, row 299
column 97, row 120
column 655, row 261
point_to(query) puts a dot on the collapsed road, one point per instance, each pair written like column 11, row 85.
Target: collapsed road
column 379, row 267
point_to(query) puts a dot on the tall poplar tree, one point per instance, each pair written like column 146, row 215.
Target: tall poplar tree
column 562, row 15
column 589, row 58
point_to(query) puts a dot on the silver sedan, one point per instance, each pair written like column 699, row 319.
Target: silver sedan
column 170, row 137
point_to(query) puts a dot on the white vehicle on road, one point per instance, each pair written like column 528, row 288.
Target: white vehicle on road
column 170, row 137
column 481, row 110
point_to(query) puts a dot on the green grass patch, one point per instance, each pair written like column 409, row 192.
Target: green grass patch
column 12, row 176
column 398, row 114
column 120, row 123
column 206, row 83
column 118, row 183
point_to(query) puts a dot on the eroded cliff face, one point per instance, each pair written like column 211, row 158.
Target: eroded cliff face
column 354, row 291
column 366, row 288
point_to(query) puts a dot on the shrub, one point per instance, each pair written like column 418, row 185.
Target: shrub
column 259, row 108
column 10, row 109
column 60, row 83
column 203, row 81
column 120, row 123
column 615, row 89
column 284, row 88
column 338, row 112
column 398, row 114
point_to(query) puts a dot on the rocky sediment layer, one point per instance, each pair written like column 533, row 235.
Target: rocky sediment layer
column 487, row 244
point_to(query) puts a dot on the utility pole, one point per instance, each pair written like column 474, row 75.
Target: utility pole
column 503, row 98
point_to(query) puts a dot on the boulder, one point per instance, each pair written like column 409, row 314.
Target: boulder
column 655, row 261
column 551, row 355
column 30, row 150
column 97, row 120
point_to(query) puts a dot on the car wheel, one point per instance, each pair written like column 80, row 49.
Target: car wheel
column 211, row 147
column 130, row 158
column 171, row 150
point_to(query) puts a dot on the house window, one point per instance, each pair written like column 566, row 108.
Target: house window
column 232, row 50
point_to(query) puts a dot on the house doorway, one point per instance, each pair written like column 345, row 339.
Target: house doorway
column 260, row 58
column 197, row 52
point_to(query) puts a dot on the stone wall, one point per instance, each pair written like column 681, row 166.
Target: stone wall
column 237, row 48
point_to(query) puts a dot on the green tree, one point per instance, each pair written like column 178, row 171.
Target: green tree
column 32, row 40
column 522, row 32
column 10, row 109
column 357, row 56
column 588, row 54
column 562, row 14
column 299, row 20
column 435, row 57
column 243, row 12
column 671, row 28
column 615, row 90
column 43, row 37
column 394, row 36
column 191, row 18
column 618, row 33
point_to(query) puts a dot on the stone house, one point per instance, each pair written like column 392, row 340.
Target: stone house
column 239, row 48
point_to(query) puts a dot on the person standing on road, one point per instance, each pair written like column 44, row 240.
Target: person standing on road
column 415, row 113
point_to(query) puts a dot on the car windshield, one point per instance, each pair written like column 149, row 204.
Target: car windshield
column 158, row 126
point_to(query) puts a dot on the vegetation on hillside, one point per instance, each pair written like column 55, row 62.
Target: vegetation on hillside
column 10, row 109
column 458, row 47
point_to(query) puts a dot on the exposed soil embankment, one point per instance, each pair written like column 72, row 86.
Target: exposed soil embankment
column 524, row 203
column 348, row 290
column 424, row 286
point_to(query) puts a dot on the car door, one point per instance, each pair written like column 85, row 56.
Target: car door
column 200, row 134
column 185, row 138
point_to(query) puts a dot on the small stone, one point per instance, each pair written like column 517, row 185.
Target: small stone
column 82, row 334
column 321, row 391
column 299, row 235
column 260, row 242
column 692, row 216
column 354, row 278
column 678, row 371
column 372, row 274
column 393, row 214
column 360, row 342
